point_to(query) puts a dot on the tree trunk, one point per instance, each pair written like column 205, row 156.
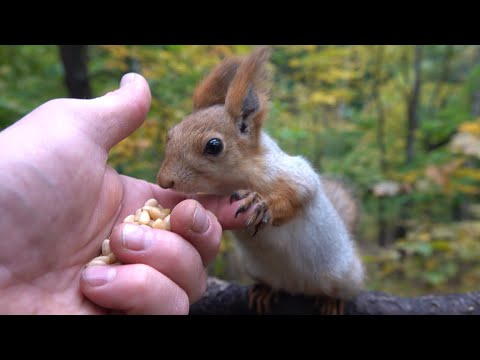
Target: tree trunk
column 443, row 78
column 413, row 102
column 223, row 298
column 380, row 109
column 476, row 103
column 133, row 64
column 412, row 125
column 75, row 64
column 381, row 219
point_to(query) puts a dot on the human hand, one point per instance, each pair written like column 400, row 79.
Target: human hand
column 59, row 201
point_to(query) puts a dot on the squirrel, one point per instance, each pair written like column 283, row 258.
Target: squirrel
column 303, row 223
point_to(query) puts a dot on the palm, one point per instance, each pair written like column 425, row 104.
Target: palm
column 48, row 260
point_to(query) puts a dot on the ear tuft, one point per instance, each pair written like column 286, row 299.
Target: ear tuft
column 213, row 89
column 248, row 92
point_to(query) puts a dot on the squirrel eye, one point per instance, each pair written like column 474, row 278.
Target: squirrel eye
column 214, row 147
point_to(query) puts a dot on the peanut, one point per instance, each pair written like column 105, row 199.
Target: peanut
column 96, row 262
column 137, row 214
column 155, row 213
column 152, row 203
column 144, row 218
column 164, row 213
column 159, row 224
column 112, row 259
column 129, row 219
column 152, row 214
column 167, row 222
column 106, row 247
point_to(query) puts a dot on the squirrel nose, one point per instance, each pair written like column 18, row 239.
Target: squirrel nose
column 164, row 181
column 166, row 184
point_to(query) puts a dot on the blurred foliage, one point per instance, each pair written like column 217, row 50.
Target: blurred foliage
column 433, row 257
column 324, row 108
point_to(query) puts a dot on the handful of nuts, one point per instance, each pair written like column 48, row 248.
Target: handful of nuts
column 151, row 214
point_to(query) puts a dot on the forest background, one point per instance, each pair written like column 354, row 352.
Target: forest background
column 399, row 123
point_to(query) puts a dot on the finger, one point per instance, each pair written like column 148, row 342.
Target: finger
column 137, row 192
column 106, row 120
column 111, row 118
column 164, row 251
column 201, row 228
column 135, row 289
column 225, row 211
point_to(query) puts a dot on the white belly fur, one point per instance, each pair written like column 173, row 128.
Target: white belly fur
column 312, row 254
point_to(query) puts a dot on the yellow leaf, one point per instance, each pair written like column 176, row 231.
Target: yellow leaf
column 294, row 63
column 424, row 237
column 319, row 97
column 467, row 189
column 470, row 127
column 468, row 172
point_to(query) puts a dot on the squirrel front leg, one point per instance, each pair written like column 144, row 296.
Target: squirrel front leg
column 260, row 217
column 276, row 208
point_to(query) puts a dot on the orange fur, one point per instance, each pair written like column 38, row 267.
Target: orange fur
column 282, row 198
column 251, row 73
column 343, row 201
column 213, row 89
column 242, row 166
column 312, row 252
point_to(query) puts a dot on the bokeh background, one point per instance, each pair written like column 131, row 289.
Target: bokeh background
column 400, row 124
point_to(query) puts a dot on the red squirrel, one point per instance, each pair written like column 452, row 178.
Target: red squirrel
column 302, row 227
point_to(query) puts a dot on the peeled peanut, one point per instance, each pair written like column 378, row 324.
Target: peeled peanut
column 137, row 214
column 151, row 202
column 160, row 224
column 151, row 214
column 112, row 258
column 144, row 218
column 99, row 260
column 167, row 221
column 96, row 262
column 164, row 213
column 129, row 219
column 154, row 212
column 106, row 247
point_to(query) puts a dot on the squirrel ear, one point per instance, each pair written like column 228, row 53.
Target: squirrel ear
column 251, row 103
column 250, row 106
column 213, row 89
column 247, row 94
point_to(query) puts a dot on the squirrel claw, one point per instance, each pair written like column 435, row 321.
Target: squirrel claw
column 237, row 195
column 240, row 210
column 243, row 194
column 260, row 297
column 259, row 218
column 261, row 215
column 329, row 306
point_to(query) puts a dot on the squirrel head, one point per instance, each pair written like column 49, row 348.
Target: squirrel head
column 214, row 148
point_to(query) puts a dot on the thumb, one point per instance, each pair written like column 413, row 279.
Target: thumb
column 116, row 115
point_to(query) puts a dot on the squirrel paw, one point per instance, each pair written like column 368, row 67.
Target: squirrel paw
column 329, row 306
column 260, row 217
column 260, row 297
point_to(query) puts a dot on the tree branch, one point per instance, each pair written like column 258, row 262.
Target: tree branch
column 223, row 298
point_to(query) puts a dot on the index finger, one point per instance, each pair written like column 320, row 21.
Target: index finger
column 219, row 205
column 225, row 211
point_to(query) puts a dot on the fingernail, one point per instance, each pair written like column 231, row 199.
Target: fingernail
column 136, row 238
column 128, row 79
column 99, row 275
column 201, row 222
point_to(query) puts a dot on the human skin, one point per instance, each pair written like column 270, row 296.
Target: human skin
column 59, row 200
